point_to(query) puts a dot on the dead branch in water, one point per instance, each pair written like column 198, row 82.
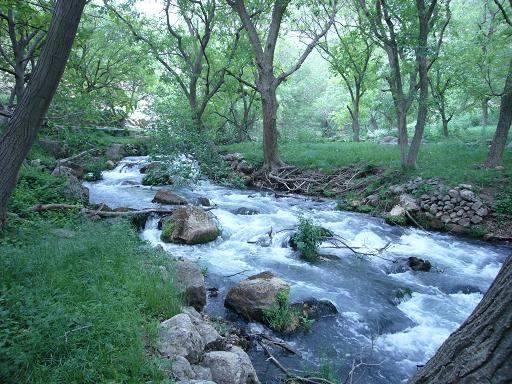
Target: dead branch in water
column 97, row 212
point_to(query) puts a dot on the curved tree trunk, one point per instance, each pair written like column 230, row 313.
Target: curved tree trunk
column 480, row 351
column 495, row 155
column 21, row 131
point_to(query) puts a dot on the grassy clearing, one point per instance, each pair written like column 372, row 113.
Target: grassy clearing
column 81, row 305
column 451, row 160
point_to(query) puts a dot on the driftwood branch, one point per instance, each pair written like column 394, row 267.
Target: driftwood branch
column 97, row 212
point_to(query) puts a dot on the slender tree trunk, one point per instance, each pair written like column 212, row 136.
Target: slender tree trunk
column 480, row 351
column 446, row 133
column 21, row 131
column 403, row 139
column 271, row 159
column 485, row 115
column 421, row 60
column 495, row 155
column 356, row 127
column 373, row 123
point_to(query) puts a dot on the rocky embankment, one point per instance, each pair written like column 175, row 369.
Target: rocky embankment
column 430, row 204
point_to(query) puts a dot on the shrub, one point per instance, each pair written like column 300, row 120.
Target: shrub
column 308, row 238
column 280, row 316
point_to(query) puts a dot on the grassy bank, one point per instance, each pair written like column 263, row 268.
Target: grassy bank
column 80, row 301
column 452, row 160
column 81, row 305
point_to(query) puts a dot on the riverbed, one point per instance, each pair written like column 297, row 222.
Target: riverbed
column 391, row 336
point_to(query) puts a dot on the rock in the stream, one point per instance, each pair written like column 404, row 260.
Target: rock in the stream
column 115, row 152
column 189, row 225
column 203, row 201
column 245, row 211
column 164, row 196
column 231, row 367
column 110, row 164
column 189, row 280
column 412, row 263
column 150, row 166
column 315, row 309
column 253, row 296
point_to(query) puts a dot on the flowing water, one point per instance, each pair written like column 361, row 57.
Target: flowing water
column 371, row 326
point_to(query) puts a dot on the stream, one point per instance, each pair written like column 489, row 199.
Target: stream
column 372, row 326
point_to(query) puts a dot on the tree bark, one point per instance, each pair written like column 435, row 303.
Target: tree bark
column 480, row 351
column 269, row 106
column 421, row 62
column 495, row 155
column 445, row 122
column 21, row 131
column 485, row 114
column 354, row 113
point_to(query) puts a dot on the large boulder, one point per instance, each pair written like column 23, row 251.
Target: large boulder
column 189, row 280
column 74, row 190
column 55, row 148
column 179, row 337
column 189, row 225
column 150, row 166
column 255, row 295
column 115, row 152
column 164, row 196
column 69, row 168
column 231, row 367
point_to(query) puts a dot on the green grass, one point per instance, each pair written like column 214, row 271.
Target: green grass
column 82, row 307
column 451, row 160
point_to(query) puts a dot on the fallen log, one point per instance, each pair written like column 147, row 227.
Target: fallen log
column 96, row 212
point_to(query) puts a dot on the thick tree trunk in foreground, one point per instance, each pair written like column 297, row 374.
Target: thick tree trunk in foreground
column 480, row 351
column 21, row 131
column 495, row 155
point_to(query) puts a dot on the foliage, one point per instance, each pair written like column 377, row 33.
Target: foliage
column 503, row 202
column 79, row 308
column 308, row 238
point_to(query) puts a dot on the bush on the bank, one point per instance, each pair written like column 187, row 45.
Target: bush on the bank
column 81, row 306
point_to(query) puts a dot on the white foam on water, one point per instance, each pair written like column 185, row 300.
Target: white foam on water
column 436, row 317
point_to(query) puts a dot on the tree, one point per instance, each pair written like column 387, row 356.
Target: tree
column 22, row 128
column 350, row 57
column 480, row 350
column 263, row 50
column 195, row 48
column 23, row 23
column 495, row 155
column 403, row 31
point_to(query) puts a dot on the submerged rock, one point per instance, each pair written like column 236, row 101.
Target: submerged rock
column 315, row 309
column 189, row 225
column 167, row 197
column 253, row 296
column 245, row 211
column 412, row 263
column 203, row 201
column 189, row 280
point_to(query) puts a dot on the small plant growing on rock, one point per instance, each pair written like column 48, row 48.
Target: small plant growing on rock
column 283, row 318
column 308, row 238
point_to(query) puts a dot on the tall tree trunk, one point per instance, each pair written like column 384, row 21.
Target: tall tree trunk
column 356, row 127
column 480, row 351
column 271, row 159
column 485, row 115
column 421, row 61
column 495, row 155
column 21, row 131
column 445, row 121
column 403, row 140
